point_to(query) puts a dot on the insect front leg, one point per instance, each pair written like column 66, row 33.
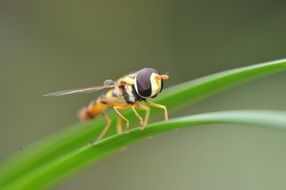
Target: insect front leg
column 124, row 118
column 107, row 125
column 160, row 107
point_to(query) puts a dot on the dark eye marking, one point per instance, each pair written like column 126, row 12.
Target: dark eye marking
column 143, row 82
column 162, row 85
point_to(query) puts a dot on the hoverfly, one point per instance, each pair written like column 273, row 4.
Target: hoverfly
column 127, row 92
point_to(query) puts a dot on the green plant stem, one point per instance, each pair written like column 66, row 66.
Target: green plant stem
column 77, row 136
column 67, row 164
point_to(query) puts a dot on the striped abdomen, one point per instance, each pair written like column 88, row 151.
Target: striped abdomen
column 93, row 109
column 120, row 98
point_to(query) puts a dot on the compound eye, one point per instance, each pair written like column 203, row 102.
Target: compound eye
column 143, row 82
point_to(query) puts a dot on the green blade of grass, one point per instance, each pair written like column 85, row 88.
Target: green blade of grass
column 72, row 138
column 65, row 165
column 203, row 87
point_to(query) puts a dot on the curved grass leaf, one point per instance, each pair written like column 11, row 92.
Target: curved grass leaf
column 75, row 137
column 65, row 165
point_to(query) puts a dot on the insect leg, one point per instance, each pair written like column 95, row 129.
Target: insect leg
column 119, row 125
column 160, row 107
column 139, row 117
column 106, row 127
column 120, row 115
column 147, row 114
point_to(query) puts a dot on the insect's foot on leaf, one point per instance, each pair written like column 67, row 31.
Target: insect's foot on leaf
column 142, row 125
column 166, row 116
column 127, row 127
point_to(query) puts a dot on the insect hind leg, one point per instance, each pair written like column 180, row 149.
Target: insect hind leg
column 106, row 127
column 119, row 125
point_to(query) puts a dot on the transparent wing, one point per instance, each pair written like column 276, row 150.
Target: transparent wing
column 79, row 90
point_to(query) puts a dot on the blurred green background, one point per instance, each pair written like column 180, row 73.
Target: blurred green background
column 55, row 45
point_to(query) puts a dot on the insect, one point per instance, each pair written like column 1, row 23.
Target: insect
column 128, row 92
